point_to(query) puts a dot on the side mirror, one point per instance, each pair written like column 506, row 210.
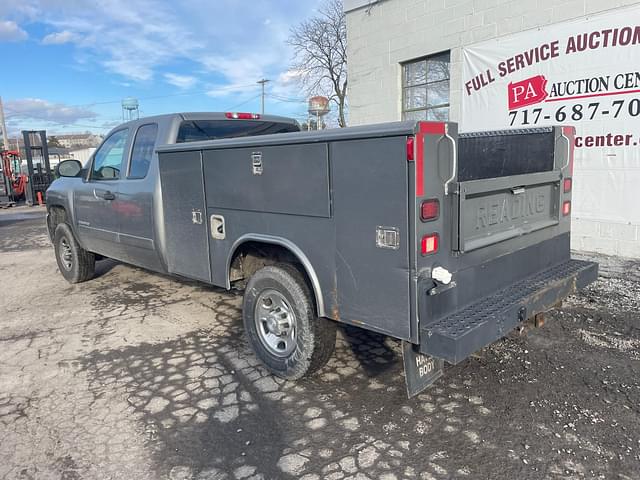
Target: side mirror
column 69, row 168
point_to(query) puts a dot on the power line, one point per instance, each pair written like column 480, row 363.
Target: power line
column 154, row 97
column 17, row 113
column 287, row 99
column 230, row 109
column 64, row 124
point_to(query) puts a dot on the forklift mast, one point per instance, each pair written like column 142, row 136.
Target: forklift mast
column 39, row 168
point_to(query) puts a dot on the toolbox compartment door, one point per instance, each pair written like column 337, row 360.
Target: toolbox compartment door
column 287, row 179
column 184, row 211
column 370, row 191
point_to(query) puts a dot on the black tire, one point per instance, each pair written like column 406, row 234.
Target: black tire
column 315, row 337
column 75, row 263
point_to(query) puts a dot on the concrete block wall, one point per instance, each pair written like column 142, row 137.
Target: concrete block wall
column 385, row 33
column 605, row 237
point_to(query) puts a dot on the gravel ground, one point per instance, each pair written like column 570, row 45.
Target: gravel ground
column 137, row 376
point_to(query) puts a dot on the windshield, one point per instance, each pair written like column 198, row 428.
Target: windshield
column 198, row 130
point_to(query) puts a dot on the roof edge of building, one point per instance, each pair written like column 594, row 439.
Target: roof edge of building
column 351, row 5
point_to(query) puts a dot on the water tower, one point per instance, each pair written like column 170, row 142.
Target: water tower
column 318, row 108
column 130, row 109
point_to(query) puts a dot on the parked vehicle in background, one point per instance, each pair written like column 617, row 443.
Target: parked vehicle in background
column 444, row 241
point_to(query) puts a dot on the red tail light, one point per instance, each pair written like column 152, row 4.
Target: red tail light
column 411, row 142
column 430, row 210
column 430, row 244
column 242, row 116
column 410, row 147
column 567, row 185
column 566, row 208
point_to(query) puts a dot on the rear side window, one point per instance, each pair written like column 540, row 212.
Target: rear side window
column 143, row 147
column 198, row 130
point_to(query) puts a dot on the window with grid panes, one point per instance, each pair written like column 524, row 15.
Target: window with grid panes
column 425, row 88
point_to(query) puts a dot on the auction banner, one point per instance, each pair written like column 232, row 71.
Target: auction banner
column 585, row 73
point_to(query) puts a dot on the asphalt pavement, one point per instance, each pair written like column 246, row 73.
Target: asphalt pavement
column 135, row 375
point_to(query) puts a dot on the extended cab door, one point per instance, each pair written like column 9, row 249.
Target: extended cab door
column 134, row 205
column 96, row 218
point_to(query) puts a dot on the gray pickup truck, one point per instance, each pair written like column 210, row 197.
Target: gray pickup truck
column 443, row 241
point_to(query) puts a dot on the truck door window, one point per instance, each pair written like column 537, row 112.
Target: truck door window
column 107, row 161
column 143, row 147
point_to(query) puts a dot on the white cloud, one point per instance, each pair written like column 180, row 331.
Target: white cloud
column 11, row 32
column 289, row 77
column 131, row 39
column 224, row 45
column 180, row 81
column 58, row 38
column 240, row 71
column 44, row 110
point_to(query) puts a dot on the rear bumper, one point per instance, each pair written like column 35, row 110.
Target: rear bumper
column 458, row 335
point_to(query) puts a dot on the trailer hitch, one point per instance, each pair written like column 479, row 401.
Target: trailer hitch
column 442, row 280
column 440, row 287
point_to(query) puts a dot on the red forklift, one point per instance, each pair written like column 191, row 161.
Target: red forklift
column 13, row 183
column 30, row 186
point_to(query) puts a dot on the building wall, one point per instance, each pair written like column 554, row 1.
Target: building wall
column 76, row 141
column 82, row 154
column 385, row 33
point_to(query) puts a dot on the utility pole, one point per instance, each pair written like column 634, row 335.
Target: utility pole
column 262, row 82
column 3, row 125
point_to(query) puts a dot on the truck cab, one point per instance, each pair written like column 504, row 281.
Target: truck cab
column 112, row 204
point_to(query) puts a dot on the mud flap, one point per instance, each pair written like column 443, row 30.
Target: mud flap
column 420, row 371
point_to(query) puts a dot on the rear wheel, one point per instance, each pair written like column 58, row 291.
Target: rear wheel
column 281, row 324
column 75, row 263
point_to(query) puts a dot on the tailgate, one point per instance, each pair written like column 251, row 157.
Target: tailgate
column 509, row 185
column 498, row 209
column 501, row 248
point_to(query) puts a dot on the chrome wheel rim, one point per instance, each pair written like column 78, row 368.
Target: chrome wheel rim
column 276, row 323
column 66, row 254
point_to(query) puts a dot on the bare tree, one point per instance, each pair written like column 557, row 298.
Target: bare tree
column 320, row 55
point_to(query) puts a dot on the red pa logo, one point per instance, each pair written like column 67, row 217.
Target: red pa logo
column 527, row 92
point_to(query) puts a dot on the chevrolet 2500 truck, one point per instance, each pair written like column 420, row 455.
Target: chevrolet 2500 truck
column 444, row 241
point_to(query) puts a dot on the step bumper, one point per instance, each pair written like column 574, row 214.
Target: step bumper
column 475, row 326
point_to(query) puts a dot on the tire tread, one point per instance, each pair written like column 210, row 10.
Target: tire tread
column 321, row 338
column 84, row 265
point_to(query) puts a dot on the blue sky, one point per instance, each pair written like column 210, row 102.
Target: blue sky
column 68, row 63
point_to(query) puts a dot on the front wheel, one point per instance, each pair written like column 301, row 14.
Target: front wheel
column 75, row 263
column 281, row 324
